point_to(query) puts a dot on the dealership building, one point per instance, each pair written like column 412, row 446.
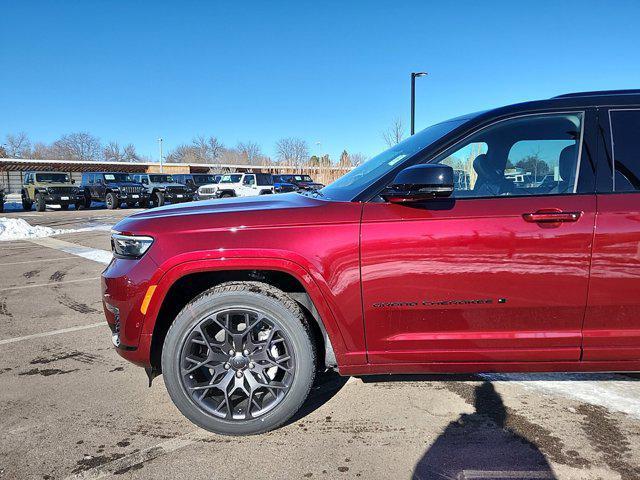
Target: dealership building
column 13, row 169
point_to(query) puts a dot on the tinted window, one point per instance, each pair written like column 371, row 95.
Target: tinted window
column 117, row 177
column 161, row 178
column 203, row 179
column 531, row 155
column 234, row 178
column 264, row 178
column 249, row 180
column 625, row 132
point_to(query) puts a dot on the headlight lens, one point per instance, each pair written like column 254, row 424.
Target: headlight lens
column 130, row 246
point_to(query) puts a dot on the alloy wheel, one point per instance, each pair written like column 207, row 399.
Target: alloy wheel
column 237, row 364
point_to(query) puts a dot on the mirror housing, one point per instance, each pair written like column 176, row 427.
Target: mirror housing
column 420, row 182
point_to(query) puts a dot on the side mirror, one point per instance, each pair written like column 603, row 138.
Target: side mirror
column 420, row 182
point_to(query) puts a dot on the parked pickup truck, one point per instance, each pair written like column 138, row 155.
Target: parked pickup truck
column 238, row 185
column 49, row 188
column 113, row 188
column 395, row 267
column 162, row 188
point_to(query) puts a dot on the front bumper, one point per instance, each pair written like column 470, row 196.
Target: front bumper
column 178, row 197
column 124, row 284
column 63, row 198
column 133, row 197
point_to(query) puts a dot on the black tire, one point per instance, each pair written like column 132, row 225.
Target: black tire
column 26, row 203
column 41, row 205
column 111, row 201
column 158, row 199
column 64, row 206
column 144, row 203
column 291, row 323
column 85, row 202
column 131, row 204
column 226, row 195
column 1, row 206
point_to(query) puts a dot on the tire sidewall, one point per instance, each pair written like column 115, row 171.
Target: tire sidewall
column 298, row 339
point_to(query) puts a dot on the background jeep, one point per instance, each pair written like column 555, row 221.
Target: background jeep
column 243, row 185
column 194, row 181
column 303, row 182
column 46, row 188
column 162, row 188
column 113, row 188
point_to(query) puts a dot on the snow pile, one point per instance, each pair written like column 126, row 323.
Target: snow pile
column 18, row 229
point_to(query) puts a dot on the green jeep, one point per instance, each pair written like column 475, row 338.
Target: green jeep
column 46, row 188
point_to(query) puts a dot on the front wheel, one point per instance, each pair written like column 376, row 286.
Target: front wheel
column 239, row 359
column 112, row 201
column 41, row 205
column 158, row 199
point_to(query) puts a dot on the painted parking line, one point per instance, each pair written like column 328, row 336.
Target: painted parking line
column 7, row 341
column 64, row 282
column 40, row 260
column 94, row 254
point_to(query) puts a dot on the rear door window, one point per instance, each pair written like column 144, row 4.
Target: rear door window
column 625, row 132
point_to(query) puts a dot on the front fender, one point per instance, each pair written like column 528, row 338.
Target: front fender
column 207, row 261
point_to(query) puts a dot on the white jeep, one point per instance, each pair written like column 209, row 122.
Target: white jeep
column 238, row 185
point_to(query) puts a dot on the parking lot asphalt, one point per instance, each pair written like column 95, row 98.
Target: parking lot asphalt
column 70, row 407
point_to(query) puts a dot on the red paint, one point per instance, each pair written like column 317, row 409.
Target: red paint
column 612, row 322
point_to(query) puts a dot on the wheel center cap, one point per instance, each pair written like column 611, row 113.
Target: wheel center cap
column 239, row 362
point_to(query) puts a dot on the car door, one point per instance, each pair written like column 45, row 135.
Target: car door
column 612, row 321
column 499, row 272
column 249, row 187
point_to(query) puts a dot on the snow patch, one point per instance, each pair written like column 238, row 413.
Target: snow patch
column 20, row 229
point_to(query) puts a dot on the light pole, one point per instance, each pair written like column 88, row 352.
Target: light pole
column 160, row 145
column 413, row 98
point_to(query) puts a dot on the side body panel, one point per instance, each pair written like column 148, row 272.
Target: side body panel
column 612, row 322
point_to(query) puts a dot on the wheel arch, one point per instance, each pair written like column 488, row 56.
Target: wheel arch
column 184, row 287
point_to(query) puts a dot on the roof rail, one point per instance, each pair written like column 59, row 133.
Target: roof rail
column 599, row 93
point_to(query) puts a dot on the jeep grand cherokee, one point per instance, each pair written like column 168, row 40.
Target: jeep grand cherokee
column 503, row 241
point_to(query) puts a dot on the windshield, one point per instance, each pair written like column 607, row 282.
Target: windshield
column 117, row 177
column 203, row 179
column 161, row 178
column 350, row 185
column 231, row 178
column 52, row 177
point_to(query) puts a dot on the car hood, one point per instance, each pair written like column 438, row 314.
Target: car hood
column 259, row 210
column 55, row 184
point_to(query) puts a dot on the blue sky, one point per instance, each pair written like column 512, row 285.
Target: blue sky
column 334, row 72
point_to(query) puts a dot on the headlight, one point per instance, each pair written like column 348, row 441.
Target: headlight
column 129, row 246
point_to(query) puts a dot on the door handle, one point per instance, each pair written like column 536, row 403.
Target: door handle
column 551, row 215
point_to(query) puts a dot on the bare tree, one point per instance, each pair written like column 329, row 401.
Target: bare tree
column 292, row 151
column 250, row 152
column 113, row 153
column 345, row 160
column 207, row 149
column 394, row 134
column 18, row 145
column 358, row 159
column 77, row 146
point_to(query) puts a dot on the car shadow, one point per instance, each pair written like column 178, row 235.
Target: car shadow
column 326, row 385
column 480, row 445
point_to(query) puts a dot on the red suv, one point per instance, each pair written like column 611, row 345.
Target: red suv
column 502, row 241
